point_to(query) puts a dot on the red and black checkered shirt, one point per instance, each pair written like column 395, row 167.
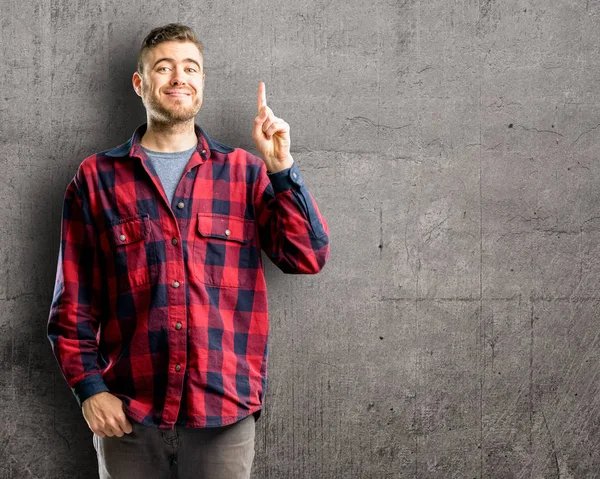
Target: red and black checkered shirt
column 165, row 305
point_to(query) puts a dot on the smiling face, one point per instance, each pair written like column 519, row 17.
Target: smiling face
column 172, row 82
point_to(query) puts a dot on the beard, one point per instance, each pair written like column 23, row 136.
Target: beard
column 172, row 114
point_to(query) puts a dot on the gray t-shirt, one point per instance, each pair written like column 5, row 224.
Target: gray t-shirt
column 169, row 167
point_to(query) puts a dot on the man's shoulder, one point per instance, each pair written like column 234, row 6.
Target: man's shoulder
column 98, row 164
column 99, row 161
column 243, row 157
column 232, row 154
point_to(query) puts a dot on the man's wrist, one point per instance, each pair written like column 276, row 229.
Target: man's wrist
column 287, row 163
column 88, row 387
column 286, row 179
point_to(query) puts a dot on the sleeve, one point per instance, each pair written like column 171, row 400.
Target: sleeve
column 292, row 231
column 76, row 304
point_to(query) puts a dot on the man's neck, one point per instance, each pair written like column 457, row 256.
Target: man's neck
column 169, row 138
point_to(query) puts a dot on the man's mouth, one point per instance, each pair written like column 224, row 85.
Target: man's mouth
column 178, row 93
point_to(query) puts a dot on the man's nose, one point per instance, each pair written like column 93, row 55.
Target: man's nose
column 178, row 77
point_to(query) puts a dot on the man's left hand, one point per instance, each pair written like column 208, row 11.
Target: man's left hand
column 271, row 136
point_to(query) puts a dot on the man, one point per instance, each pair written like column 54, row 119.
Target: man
column 159, row 318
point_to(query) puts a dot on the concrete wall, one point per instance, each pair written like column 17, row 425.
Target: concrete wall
column 452, row 146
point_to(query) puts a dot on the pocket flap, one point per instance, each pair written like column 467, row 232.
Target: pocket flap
column 225, row 227
column 129, row 230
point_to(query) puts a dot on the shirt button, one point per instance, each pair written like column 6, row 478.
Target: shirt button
column 174, row 241
column 203, row 152
column 177, row 368
column 180, row 205
column 176, row 284
column 227, row 232
column 122, row 238
column 294, row 174
column 178, row 325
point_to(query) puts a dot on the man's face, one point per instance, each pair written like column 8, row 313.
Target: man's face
column 172, row 84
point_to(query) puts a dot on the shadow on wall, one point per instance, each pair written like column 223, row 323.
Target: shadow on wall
column 126, row 110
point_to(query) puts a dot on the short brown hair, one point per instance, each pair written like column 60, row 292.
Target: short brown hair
column 171, row 32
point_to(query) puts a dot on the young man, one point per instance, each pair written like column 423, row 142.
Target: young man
column 159, row 318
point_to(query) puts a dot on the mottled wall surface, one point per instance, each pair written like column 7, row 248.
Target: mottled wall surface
column 452, row 147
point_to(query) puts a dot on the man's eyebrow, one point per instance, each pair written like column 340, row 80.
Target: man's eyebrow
column 171, row 60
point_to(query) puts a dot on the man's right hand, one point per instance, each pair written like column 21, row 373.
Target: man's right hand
column 105, row 415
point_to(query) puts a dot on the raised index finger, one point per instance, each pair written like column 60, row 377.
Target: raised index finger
column 262, row 96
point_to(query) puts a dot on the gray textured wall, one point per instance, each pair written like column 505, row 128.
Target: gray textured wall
column 452, row 147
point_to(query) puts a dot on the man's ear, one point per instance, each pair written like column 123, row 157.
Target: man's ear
column 136, row 80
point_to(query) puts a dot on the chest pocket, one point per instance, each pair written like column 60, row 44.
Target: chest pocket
column 132, row 247
column 224, row 251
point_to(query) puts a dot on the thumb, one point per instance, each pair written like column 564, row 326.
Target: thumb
column 125, row 423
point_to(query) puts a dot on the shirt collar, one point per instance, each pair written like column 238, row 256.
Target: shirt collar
column 132, row 147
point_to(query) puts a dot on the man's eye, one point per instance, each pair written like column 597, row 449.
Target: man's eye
column 193, row 69
column 162, row 68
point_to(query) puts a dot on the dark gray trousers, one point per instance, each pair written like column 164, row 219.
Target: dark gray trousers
column 185, row 453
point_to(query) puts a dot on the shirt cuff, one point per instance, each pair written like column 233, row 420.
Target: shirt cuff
column 286, row 179
column 88, row 387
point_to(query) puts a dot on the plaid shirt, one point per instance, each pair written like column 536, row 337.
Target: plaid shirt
column 165, row 305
